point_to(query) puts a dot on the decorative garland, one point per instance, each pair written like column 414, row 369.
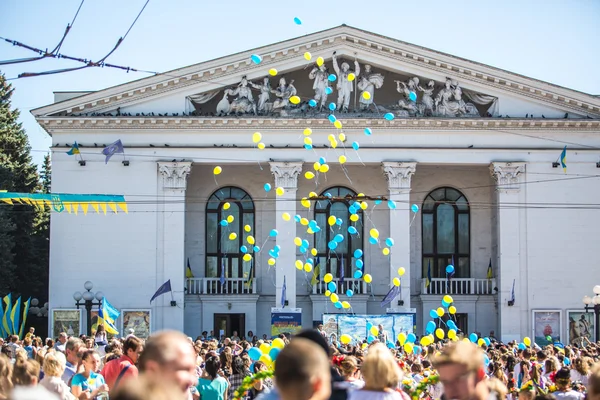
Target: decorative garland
column 423, row 386
column 249, row 381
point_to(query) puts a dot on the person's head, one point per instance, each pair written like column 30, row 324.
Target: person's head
column 563, row 378
column 90, row 360
column 259, row 366
column 132, row 348
column 379, row 369
column 168, row 356
column 581, row 365
column 54, row 364
column 27, row 341
column 302, row 371
column 62, row 337
column 348, row 366
column 101, row 330
column 26, row 372
column 593, row 385
column 460, row 367
column 14, row 338
column 6, row 370
column 237, row 365
column 73, row 350
column 345, row 66
column 32, row 330
column 212, row 365
column 145, row 388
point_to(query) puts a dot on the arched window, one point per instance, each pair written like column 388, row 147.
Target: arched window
column 446, row 238
column 221, row 252
column 331, row 260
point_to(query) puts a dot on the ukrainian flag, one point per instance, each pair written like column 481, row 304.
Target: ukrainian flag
column 15, row 313
column 24, row 317
column 428, row 281
column 107, row 315
column 316, row 272
column 74, row 150
column 563, row 159
column 7, row 312
column 490, row 274
column 188, row 270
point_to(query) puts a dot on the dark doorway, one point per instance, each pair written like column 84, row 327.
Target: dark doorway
column 228, row 323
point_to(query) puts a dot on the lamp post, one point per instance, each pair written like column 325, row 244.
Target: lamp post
column 587, row 300
column 88, row 301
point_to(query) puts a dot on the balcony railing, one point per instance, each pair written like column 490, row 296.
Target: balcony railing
column 458, row 286
column 214, row 286
column 358, row 286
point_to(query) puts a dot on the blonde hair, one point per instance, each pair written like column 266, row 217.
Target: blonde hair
column 593, row 386
column 54, row 364
column 460, row 353
column 380, row 370
column 26, row 372
column 6, row 370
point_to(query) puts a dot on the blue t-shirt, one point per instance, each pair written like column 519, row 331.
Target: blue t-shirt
column 94, row 381
column 212, row 390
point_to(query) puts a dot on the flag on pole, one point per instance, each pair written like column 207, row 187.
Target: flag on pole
column 342, row 271
column 391, row 295
column 2, row 333
column 248, row 283
column 188, row 270
column 15, row 314
column 428, row 280
column 112, row 149
column 164, row 288
column 6, row 318
column 512, row 295
column 563, row 159
column 283, row 293
column 222, row 279
column 490, row 273
column 74, row 150
column 316, row 272
column 24, row 317
column 107, row 315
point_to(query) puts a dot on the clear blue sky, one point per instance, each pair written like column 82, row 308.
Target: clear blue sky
column 552, row 40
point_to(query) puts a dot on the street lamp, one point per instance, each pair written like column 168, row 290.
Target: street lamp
column 88, row 301
column 595, row 305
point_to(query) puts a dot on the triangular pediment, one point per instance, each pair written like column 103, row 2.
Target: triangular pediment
column 444, row 85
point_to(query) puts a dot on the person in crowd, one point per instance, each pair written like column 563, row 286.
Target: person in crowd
column 6, row 370
column 13, row 343
column 89, row 381
column 54, row 366
column 72, row 349
column 61, row 342
column 563, row 386
column 212, row 385
column 581, row 370
column 26, row 371
column 100, row 338
column 27, row 345
column 144, row 388
column 117, row 370
column 381, row 374
column 261, row 385
column 239, row 372
column 593, row 385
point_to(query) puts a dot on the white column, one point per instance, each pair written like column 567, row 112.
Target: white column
column 170, row 238
column 398, row 175
column 512, row 263
column 286, row 176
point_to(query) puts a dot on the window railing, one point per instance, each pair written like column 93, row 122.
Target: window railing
column 358, row 286
column 214, row 286
column 459, row 286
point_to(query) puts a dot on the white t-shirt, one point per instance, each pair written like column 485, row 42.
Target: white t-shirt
column 371, row 395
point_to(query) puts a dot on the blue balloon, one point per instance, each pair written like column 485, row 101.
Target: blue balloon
column 355, row 145
column 224, row 223
column 273, row 232
column 369, row 326
column 486, row 360
column 310, row 261
column 444, row 303
column 267, row 187
column 370, row 338
column 303, row 249
column 332, row 287
column 352, row 230
column 358, row 253
column 566, row 361
column 328, row 195
column 368, row 131
column 359, row 264
column 392, row 204
column 433, row 314
column 254, row 353
column 417, row 349
column 338, row 304
column 522, row 346
column 274, row 352
column 412, row 96
column 473, row 337
column 256, row 249
column 308, row 146
column 332, row 77
column 487, row 341
column 277, row 248
column 339, row 222
column 297, row 218
column 390, row 345
column 297, row 21
column 411, row 338
column 244, row 249
column 358, row 274
column 430, row 327
column 273, row 253
column 389, row 116
column 452, row 325
column 311, row 224
column 328, row 90
column 316, row 229
column 377, row 202
column 349, row 293
column 450, row 269
column 305, row 243
column 332, row 245
column 414, row 208
column 332, row 118
column 339, row 238
column 256, row 59
column 312, row 103
column 332, row 106
column 373, row 240
column 323, row 161
column 389, row 242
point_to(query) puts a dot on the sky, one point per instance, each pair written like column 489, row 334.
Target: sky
column 551, row 40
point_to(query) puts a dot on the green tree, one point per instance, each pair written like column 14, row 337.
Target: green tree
column 23, row 250
column 46, row 174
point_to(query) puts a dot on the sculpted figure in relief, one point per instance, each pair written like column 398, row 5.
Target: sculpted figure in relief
column 283, row 92
column 344, row 86
column 244, row 102
column 449, row 102
column 265, row 94
column 368, row 82
column 406, row 89
column 320, row 76
column 427, row 105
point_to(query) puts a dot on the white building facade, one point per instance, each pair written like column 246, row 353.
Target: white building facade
column 476, row 151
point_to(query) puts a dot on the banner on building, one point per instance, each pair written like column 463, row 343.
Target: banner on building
column 71, row 203
column 68, row 321
column 357, row 325
column 581, row 327
column 138, row 320
column 547, row 326
column 288, row 321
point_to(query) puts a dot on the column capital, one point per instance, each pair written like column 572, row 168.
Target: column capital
column 174, row 174
column 399, row 174
column 508, row 175
column 286, row 174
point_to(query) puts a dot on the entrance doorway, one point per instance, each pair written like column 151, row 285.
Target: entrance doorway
column 226, row 324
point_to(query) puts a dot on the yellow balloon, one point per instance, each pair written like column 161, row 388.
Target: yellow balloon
column 278, row 343
column 451, row 333
column 261, row 146
column 455, row 338
column 217, row 170
column 308, row 141
column 307, row 132
column 440, row 311
column 230, row 218
column 320, row 61
column 247, row 257
column 226, row 206
column 298, row 241
column 307, row 267
column 272, row 72
column 368, row 278
column 452, row 310
column 232, row 236
column 286, row 216
column 266, row 359
column 364, row 205
column 333, row 144
column 316, row 166
column 345, row 338
column 298, row 264
column 334, row 298
column 327, row 293
column 401, row 271
column 310, row 231
column 342, row 159
column 396, row 282
column 324, row 168
column 385, row 251
column 247, row 228
column 265, row 348
column 338, row 124
column 303, row 221
column 256, row 136
column 314, row 252
column 312, row 195
column 527, row 341
column 345, row 304
column 354, row 217
column 331, row 220
column 342, row 137
column 402, row 338
column 250, row 240
column 295, row 100
column 374, row 331
column 408, row 348
column 481, row 342
column 271, row 261
column 364, row 346
column 448, row 299
column 374, row 232
column 279, row 191
column 305, row 202
column 424, row 341
column 327, row 278
column 366, row 95
column 439, row 332
column 307, row 56
column 331, row 137
column 351, row 76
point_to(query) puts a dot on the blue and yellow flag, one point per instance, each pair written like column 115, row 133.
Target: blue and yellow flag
column 188, row 270
column 428, row 281
column 2, row 333
column 24, row 317
column 563, row 159
column 316, row 272
column 74, row 150
column 6, row 322
column 107, row 315
column 490, row 273
column 15, row 314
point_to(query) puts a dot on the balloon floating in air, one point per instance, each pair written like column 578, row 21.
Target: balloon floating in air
column 256, row 59
column 297, row 21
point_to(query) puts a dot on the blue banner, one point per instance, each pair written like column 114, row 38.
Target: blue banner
column 285, row 322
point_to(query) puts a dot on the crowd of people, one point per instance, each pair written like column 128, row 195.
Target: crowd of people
column 169, row 365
